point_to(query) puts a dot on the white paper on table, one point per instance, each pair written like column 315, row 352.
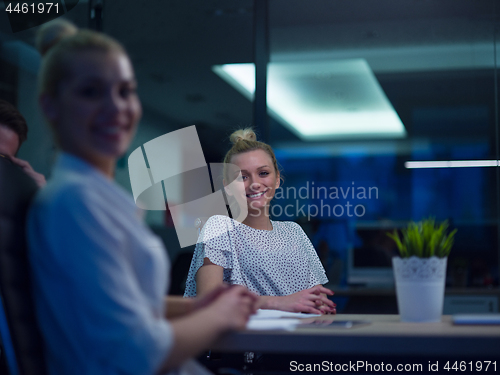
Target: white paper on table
column 277, row 314
column 273, row 323
column 276, row 319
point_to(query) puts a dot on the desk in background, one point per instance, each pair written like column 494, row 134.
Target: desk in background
column 382, row 300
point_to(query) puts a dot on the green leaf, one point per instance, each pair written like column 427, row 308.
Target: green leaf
column 401, row 247
column 424, row 239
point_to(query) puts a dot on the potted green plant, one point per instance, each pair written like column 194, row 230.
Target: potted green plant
column 420, row 272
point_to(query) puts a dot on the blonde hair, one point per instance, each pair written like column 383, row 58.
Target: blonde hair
column 58, row 41
column 245, row 140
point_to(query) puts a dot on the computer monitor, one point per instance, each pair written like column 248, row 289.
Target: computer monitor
column 370, row 258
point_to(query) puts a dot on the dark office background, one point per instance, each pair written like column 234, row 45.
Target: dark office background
column 436, row 60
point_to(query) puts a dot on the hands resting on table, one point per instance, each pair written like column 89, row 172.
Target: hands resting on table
column 197, row 322
column 238, row 302
column 313, row 300
column 233, row 304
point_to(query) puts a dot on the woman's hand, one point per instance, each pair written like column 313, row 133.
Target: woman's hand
column 313, row 300
column 28, row 169
column 326, row 309
column 177, row 306
column 228, row 310
column 232, row 306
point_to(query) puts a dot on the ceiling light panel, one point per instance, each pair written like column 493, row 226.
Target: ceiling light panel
column 322, row 100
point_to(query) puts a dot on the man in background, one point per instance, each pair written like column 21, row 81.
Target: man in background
column 13, row 132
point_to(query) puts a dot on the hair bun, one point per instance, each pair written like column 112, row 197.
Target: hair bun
column 246, row 134
column 52, row 32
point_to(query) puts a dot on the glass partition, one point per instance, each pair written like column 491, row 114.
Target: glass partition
column 402, row 99
column 380, row 112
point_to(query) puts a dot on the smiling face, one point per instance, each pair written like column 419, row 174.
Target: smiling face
column 259, row 177
column 96, row 111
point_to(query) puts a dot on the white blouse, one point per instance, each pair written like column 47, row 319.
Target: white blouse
column 278, row 262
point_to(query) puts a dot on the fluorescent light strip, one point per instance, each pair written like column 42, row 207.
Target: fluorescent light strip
column 451, row 164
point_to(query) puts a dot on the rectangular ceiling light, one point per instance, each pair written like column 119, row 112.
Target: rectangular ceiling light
column 322, row 100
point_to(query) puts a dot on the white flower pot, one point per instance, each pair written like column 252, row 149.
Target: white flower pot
column 420, row 288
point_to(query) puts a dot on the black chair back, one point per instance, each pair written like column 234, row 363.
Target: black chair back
column 21, row 339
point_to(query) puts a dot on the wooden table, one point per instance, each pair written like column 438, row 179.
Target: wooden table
column 386, row 336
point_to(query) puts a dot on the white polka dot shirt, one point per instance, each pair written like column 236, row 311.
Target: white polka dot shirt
column 278, row 262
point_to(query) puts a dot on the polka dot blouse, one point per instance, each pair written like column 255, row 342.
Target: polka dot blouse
column 278, row 262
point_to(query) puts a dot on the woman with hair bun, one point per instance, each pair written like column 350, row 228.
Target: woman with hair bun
column 273, row 259
column 99, row 274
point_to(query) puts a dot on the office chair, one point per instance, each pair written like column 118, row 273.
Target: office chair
column 21, row 338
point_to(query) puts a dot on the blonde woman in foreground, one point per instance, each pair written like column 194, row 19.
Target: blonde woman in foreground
column 99, row 274
column 273, row 259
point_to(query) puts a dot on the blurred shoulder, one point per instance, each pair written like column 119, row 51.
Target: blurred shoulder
column 218, row 224
column 69, row 191
column 218, row 219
